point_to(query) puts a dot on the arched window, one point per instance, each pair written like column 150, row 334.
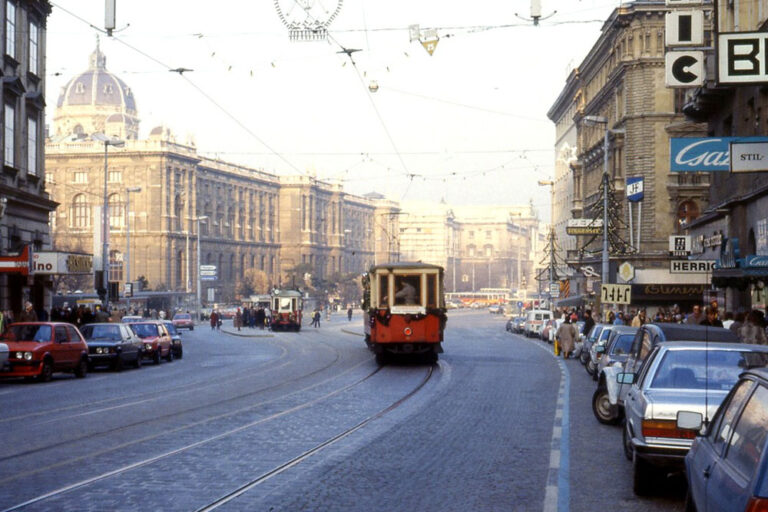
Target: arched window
column 686, row 212
column 231, row 267
column 471, row 251
column 115, row 266
column 179, row 267
column 80, row 212
column 178, row 212
column 116, row 213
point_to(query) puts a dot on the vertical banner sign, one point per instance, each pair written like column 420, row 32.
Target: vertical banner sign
column 684, row 28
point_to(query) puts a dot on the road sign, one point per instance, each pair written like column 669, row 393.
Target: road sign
column 519, row 304
column 207, row 273
column 207, row 278
column 635, row 189
column 616, row 293
column 626, row 271
column 128, row 290
column 684, row 68
column 207, row 267
column 554, row 289
column 584, row 226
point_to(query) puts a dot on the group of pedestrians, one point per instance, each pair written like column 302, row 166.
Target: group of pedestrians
column 251, row 317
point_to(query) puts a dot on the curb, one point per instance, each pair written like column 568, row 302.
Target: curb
column 247, row 335
column 352, row 333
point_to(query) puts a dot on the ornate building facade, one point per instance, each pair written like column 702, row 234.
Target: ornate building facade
column 247, row 218
column 25, row 203
column 619, row 90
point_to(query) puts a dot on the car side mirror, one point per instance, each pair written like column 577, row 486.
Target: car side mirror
column 625, row 378
column 688, row 420
column 600, row 349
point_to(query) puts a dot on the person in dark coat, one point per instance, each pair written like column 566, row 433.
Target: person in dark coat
column 589, row 322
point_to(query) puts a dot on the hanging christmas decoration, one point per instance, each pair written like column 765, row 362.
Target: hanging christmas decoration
column 427, row 37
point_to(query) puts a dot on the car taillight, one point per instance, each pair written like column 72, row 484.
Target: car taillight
column 665, row 428
column 756, row 504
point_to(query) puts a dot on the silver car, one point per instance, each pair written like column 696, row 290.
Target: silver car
column 677, row 376
column 4, row 365
column 601, row 340
column 614, row 355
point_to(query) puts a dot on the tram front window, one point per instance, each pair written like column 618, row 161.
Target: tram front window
column 407, row 290
column 432, row 291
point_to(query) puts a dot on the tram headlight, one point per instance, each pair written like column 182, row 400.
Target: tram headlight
column 407, row 331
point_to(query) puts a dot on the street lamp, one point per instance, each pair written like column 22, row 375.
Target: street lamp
column 108, row 141
column 128, row 191
column 594, row 121
column 197, row 304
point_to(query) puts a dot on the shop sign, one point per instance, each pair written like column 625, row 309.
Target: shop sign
column 52, row 262
column 19, row 264
column 584, row 226
column 749, row 156
column 616, row 293
column 756, row 260
column 668, row 292
column 691, row 266
column 679, row 245
column 703, row 153
column 635, row 189
column 627, row 271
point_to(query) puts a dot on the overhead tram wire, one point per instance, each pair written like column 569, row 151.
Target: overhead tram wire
column 194, row 85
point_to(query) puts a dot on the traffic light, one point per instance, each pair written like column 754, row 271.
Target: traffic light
column 114, row 291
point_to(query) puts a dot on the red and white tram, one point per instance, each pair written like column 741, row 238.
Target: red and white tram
column 404, row 309
column 287, row 307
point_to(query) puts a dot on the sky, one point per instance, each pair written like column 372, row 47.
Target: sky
column 466, row 124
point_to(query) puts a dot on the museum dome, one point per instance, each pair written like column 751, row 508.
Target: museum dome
column 95, row 98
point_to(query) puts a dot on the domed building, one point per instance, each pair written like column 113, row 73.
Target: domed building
column 96, row 101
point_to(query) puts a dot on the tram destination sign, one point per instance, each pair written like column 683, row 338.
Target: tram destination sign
column 691, row 266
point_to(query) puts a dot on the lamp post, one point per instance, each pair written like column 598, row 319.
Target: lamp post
column 593, row 121
column 108, row 141
column 128, row 191
column 197, row 303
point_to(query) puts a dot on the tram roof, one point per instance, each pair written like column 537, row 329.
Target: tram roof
column 416, row 265
column 286, row 293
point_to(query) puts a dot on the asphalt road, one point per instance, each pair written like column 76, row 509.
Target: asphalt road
column 255, row 421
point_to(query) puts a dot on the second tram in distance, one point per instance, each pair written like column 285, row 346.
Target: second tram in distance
column 404, row 308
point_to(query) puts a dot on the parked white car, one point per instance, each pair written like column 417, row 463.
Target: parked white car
column 534, row 321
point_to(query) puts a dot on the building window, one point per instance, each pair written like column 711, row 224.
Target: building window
column 686, row 212
column 32, row 146
column 80, row 212
column 79, row 88
column 115, row 176
column 115, row 266
column 116, row 214
column 80, row 177
column 33, row 48
column 488, row 234
column 10, row 129
column 10, row 29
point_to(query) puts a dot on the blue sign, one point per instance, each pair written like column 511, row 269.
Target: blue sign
column 519, row 304
column 635, row 189
column 710, row 154
column 207, row 278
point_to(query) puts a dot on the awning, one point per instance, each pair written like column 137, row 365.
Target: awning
column 575, row 301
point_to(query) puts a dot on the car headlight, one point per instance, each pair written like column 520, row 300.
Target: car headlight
column 27, row 356
column 19, row 355
column 147, row 347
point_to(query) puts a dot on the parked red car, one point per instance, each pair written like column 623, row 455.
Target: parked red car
column 39, row 349
column 156, row 340
column 183, row 321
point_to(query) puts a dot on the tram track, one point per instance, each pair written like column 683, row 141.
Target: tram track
column 186, row 426
column 232, row 432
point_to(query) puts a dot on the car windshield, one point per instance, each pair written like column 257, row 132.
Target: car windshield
column 144, row 330
column 604, row 334
column 101, row 332
column 171, row 328
column 700, row 369
column 39, row 333
column 182, row 316
column 595, row 332
column 131, row 319
column 622, row 344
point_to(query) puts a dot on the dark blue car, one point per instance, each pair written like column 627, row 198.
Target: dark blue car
column 727, row 466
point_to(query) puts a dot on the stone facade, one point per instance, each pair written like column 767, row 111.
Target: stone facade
column 25, row 204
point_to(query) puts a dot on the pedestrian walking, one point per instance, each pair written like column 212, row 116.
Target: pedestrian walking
column 316, row 318
column 566, row 336
column 752, row 331
column 349, row 314
column 28, row 315
column 238, row 319
column 214, row 320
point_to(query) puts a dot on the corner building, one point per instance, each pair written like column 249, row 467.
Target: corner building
column 622, row 80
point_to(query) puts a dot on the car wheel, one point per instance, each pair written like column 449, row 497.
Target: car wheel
column 192, row 328
column 604, row 410
column 81, row 370
column 584, row 356
column 169, row 357
column 179, row 354
column 137, row 363
column 156, row 357
column 46, row 372
column 643, row 476
column 629, row 451
column 590, row 367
